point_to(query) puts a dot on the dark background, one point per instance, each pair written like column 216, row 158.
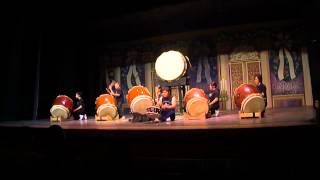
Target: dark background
column 64, row 41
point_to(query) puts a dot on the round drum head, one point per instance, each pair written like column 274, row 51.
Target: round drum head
column 253, row 103
column 107, row 110
column 170, row 65
column 197, row 106
column 59, row 111
column 140, row 104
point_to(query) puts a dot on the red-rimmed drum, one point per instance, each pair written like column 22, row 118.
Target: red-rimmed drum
column 139, row 99
column 196, row 102
column 62, row 107
column 171, row 65
column 106, row 106
column 247, row 99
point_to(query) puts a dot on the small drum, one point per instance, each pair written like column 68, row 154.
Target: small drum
column 196, row 102
column 153, row 112
column 247, row 99
column 171, row 65
column 106, row 106
column 139, row 99
column 62, row 107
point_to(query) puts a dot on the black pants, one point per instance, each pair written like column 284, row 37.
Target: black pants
column 76, row 114
column 165, row 114
column 119, row 108
column 265, row 106
column 214, row 107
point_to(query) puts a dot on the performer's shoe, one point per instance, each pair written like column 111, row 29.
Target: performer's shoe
column 216, row 113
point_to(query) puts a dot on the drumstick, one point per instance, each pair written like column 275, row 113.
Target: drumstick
column 109, row 91
column 188, row 61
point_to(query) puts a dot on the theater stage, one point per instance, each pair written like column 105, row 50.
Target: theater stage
column 227, row 119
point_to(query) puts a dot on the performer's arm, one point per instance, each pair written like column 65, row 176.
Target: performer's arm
column 77, row 108
column 213, row 101
column 116, row 94
column 159, row 103
column 110, row 88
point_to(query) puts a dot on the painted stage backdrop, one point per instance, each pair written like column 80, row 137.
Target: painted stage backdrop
column 286, row 73
column 204, row 65
column 203, row 71
column 132, row 74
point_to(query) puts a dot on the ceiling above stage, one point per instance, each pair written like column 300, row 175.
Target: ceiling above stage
column 141, row 19
column 121, row 20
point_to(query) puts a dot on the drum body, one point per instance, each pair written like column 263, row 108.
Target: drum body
column 253, row 103
column 171, row 65
column 62, row 107
column 106, row 106
column 247, row 98
column 196, row 102
column 139, row 99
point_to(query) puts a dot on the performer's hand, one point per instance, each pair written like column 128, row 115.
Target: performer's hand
column 166, row 106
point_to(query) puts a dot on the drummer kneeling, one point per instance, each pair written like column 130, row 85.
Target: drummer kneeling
column 167, row 103
column 214, row 94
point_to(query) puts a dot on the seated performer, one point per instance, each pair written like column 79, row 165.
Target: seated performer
column 261, row 89
column 167, row 103
column 79, row 112
column 213, row 95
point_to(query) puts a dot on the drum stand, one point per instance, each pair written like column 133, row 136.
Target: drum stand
column 106, row 118
column 137, row 117
column 55, row 119
column 250, row 115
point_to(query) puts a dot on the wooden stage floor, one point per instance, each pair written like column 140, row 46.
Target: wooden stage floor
column 281, row 117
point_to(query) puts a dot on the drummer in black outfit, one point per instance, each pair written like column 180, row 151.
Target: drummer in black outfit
column 261, row 89
column 213, row 94
column 118, row 95
column 79, row 112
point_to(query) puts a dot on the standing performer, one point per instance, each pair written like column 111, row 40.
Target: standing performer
column 261, row 89
column 110, row 88
column 167, row 104
column 213, row 94
column 118, row 94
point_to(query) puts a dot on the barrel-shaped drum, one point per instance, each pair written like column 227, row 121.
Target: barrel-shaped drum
column 247, row 99
column 196, row 102
column 171, row 65
column 62, row 107
column 106, row 106
column 139, row 99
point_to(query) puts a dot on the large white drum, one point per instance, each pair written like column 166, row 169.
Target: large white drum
column 171, row 65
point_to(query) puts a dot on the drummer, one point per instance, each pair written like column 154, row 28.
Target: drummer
column 158, row 93
column 213, row 94
column 110, row 89
column 118, row 94
column 167, row 103
column 261, row 89
column 79, row 112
